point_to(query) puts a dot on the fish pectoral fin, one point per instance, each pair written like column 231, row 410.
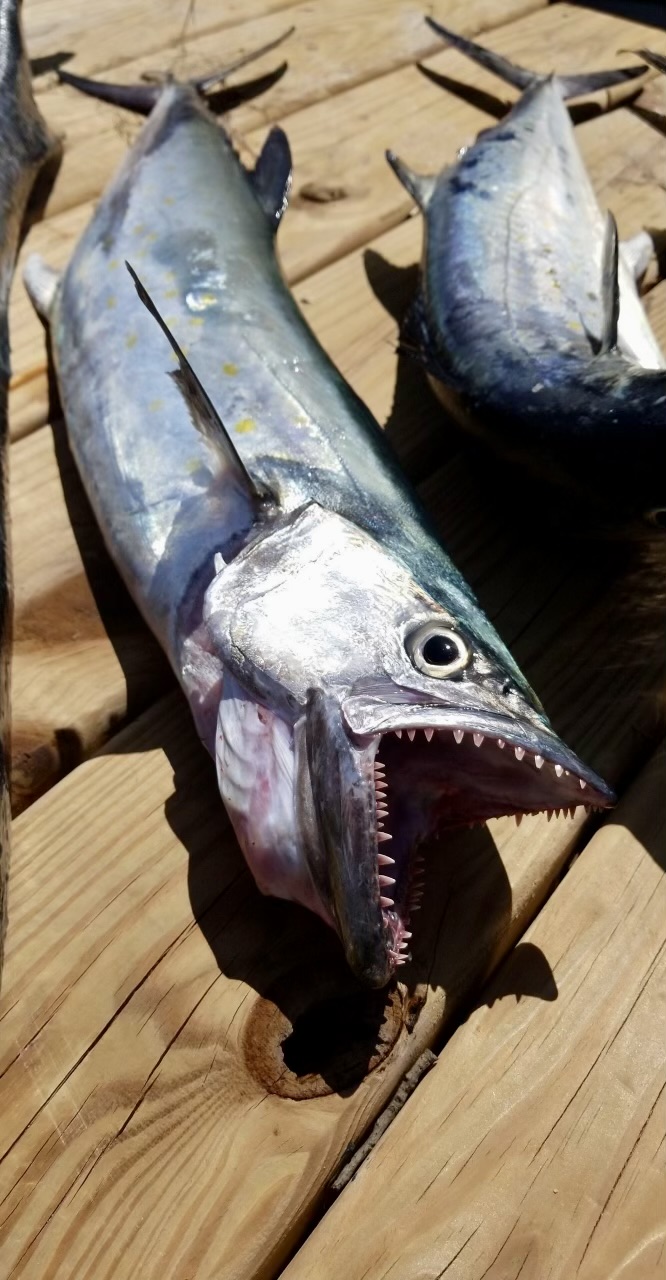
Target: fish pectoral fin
column 521, row 78
column 610, row 287
column 201, row 408
column 420, row 186
column 41, row 282
column 271, row 177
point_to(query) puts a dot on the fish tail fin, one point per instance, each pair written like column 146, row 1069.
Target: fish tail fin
column 41, row 282
column 573, row 86
column 655, row 60
column 141, row 98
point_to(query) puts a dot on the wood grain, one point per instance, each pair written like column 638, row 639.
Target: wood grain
column 627, row 169
column 149, row 989
column 536, row 1146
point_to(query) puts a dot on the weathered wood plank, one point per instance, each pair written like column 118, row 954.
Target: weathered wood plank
column 536, row 1146
column 404, row 110
column 628, row 170
column 123, row 29
column 141, row 1051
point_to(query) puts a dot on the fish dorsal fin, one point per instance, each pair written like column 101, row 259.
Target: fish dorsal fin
column 420, row 186
column 271, row 177
column 202, row 411
column 610, row 287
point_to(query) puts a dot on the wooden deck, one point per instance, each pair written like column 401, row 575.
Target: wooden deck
column 184, row 1065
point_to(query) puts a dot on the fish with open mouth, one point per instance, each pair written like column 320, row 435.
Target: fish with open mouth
column 339, row 669
column 528, row 320
column 29, row 158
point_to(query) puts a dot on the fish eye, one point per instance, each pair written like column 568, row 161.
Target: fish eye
column 657, row 517
column 436, row 651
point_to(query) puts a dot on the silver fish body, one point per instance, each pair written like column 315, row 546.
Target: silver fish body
column 29, row 157
column 309, row 624
column 512, row 308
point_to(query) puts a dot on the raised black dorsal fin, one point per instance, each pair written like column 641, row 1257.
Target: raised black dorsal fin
column 271, row 177
column 521, row 78
column 420, row 186
column 202, row 411
column 610, row 287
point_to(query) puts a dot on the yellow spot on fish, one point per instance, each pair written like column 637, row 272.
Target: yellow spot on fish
column 151, row 237
column 155, row 405
column 114, row 264
column 196, row 319
column 245, row 425
column 130, row 341
column 111, row 301
column 168, row 200
column 575, row 326
column 171, row 293
column 230, row 369
column 139, row 228
column 193, row 465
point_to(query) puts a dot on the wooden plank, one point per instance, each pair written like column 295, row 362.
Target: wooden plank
column 536, row 1146
column 628, row 170
column 123, row 29
column 404, row 110
column 141, row 1051
column 82, row 660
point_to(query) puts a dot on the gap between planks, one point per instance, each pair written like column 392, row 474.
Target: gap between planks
column 367, row 119
column 535, row 1146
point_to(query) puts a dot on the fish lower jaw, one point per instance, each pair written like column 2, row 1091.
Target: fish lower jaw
column 429, row 780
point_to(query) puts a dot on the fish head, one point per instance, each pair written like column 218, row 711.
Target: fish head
column 359, row 717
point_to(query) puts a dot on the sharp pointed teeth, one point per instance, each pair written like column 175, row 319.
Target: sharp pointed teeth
column 384, row 835
column 381, row 784
column 520, row 752
column 458, row 734
column 428, row 734
column 411, row 734
column 398, row 733
column 582, row 784
column 501, row 743
column 478, row 739
column 386, row 902
column 519, row 818
column 406, row 936
column 559, row 770
column 386, row 880
column 384, row 860
column 538, row 760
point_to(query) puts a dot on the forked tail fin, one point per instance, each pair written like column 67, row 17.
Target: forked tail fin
column 571, row 86
column 141, row 98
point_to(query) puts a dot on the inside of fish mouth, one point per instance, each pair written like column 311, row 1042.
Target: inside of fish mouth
column 429, row 780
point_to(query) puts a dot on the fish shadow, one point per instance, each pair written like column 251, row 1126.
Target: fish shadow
column 314, row 1029
column 498, row 107
column 49, row 62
